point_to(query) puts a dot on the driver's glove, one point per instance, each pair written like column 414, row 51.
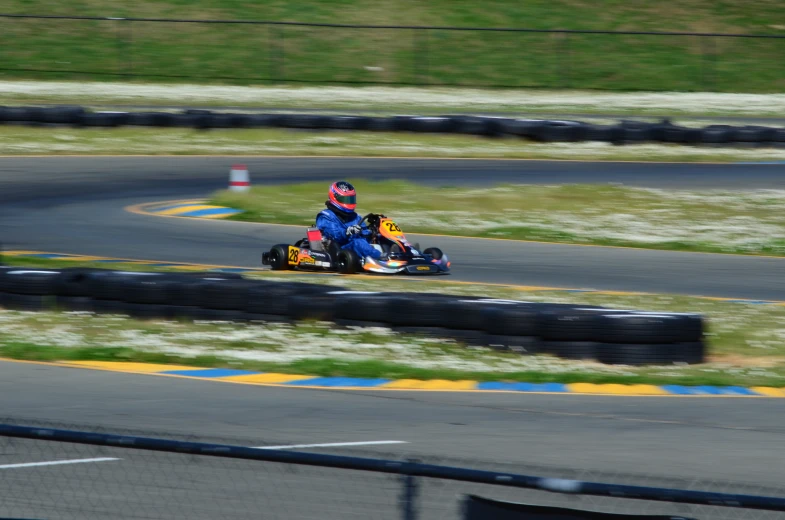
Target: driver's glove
column 353, row 230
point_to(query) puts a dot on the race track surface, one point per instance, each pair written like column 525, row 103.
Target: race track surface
column 75, row 205
column 692, row 443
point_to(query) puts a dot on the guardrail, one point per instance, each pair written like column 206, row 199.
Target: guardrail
column 135, row 475
column 162, row 48
column 537, row 130
column 568, row 331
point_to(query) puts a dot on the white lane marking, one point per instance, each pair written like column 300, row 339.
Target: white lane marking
column 328, row 445
column 55, row 463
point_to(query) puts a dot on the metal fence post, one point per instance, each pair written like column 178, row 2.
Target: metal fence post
column 708, row 65
column 271, row 52
column 421, row 66
column 566, row 61
column 275, row 37
column 124, row 47
column 409, row 494
column 129, row 47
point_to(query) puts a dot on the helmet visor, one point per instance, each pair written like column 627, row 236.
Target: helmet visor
column 349, row 200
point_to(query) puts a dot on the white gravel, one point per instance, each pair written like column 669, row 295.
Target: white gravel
column 725, row 219
column 464, row 99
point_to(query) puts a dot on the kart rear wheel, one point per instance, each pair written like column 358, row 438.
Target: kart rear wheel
column 346, row 262
column 279, row 259
column 435, row 252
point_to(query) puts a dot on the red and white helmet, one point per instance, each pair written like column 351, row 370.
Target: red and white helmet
column 343, row 197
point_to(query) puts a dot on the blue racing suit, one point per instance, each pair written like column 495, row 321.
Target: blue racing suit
column 334, row 227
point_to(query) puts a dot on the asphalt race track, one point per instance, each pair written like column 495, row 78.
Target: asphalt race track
column 76, row 205
column 697, row 443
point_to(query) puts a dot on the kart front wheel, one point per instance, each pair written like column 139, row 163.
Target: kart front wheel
column 435, row 252
column 279, row 259
column 346, row 262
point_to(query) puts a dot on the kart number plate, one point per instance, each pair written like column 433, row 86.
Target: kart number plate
column 294, row 255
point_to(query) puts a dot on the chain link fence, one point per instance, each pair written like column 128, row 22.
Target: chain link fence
column 50, row 479
column 259, row 51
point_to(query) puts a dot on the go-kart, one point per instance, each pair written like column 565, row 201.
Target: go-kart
column 315, row 252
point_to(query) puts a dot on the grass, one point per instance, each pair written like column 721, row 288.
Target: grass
column 20, row 140
column 256, row 54
column 747, row 345
column 707, row 221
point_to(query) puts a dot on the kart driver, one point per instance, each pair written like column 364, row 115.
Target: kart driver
column 341, row 224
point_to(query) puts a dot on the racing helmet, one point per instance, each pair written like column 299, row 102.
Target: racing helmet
column 343, row 197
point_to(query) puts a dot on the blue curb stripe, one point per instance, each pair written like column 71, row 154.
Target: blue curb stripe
column 678, row 389
column 212, row 211
column 523, row 387
column 210, row 372
column 726, row 390
column 339, row 381
column 708, row 390
column 47, row 255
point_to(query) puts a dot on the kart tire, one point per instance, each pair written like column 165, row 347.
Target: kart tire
column 38, row 282
column 435, row 252
column 318, row 308
column 347, row 261
column 650, row 354
column 74, row 303
column 524, row 345
column 27, row 302
column 571, row 325
column 279, row 260
column 579, row 350
column 109, row 307
column 630, row 328
column 227, row 294
column 468, row 338
column 513, row 320
column 369, row 309
column 150, row 311
column 466, row 315
column 417, row 311
column 73, row 281
column 273, row 297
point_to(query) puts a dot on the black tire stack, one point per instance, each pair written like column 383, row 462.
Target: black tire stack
column 538, row 130
column 565, row 331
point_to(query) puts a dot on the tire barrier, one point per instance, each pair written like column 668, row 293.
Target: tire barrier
column 605, row 335
column 538, row 130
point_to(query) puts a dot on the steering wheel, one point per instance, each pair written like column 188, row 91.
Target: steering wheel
column 373, row 224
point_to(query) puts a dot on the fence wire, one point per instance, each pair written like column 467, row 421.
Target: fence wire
column 261, row 51
column 45, row 479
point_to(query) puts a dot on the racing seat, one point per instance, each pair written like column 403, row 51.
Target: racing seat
column 315, row 239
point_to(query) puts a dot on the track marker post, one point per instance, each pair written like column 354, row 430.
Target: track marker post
column 239, row 180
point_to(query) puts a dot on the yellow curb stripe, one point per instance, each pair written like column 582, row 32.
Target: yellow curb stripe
column 400, row 385
column 769, row 391
column 264, row 378
column 186, row 209
column 121, row 366
column 615, row 389
column 433, row 384
column 218, row 215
